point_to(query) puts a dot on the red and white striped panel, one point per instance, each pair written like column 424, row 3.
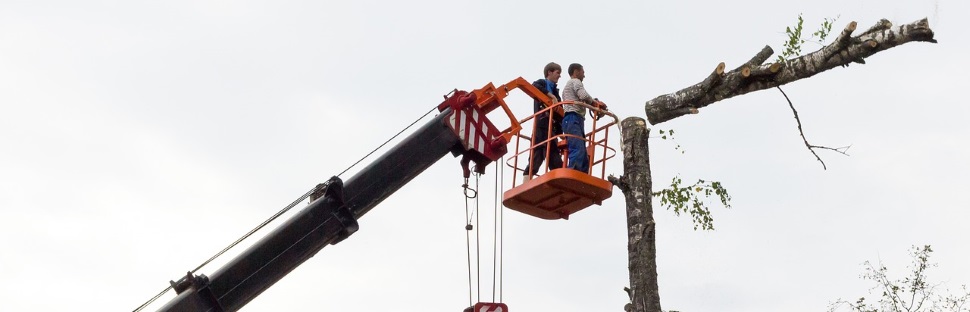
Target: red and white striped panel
column 471, row 129
column 490, row 307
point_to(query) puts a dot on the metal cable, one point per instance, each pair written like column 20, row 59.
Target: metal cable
column 495, row 231
column 159, row 295
column 478, row 244
column 284, row 210
column 388, row 140
column 468, row 249
column 224, row 250
column 501, row 247
column 261, row 225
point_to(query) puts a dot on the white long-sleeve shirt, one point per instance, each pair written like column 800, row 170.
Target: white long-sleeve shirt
column 574, row 91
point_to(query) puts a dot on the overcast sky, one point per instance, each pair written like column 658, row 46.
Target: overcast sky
column 138, row 138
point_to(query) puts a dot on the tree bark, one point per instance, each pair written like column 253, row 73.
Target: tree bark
column 636, row 185
column 754, row 76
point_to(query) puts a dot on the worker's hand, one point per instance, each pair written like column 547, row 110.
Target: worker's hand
column 601, row 106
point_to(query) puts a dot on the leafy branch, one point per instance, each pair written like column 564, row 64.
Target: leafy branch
column 793, row 47
column 825, row 29
column 691, row 199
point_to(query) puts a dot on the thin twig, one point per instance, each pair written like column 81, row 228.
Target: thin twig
column 811, row 148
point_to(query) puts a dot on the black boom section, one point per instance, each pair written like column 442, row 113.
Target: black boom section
column 398, row 166
column 325, row 221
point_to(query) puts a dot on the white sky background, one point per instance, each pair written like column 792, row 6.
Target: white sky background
column 138, row 139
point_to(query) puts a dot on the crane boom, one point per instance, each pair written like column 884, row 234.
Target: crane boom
column 462, row 128
column 325, row 221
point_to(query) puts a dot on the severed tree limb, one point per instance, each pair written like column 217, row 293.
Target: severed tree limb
column 856, row 49
column 811, row 147
column 698, row 90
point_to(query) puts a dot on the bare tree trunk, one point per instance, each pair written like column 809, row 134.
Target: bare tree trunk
column 636, row 185
column 753, row 75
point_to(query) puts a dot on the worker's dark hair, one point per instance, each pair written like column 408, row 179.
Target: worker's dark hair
column 551, row 67
column 574, row 67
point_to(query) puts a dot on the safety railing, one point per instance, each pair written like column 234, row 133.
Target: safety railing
column 596, row 142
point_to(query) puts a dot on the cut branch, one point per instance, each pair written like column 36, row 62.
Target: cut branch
column 714, row 78
column 764, row 70
column 881, row 25
column 760, row 58
column 620, row 183
column 876, row 39
column 847, row 33
column 840, row 43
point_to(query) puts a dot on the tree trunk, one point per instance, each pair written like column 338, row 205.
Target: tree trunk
column 753, row 75
column 636, row 185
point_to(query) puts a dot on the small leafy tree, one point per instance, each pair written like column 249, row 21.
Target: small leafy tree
column 910, row 294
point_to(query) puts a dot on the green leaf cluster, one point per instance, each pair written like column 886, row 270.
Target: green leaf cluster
column 824, row 30
column 793, row 46
column 691, row 199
